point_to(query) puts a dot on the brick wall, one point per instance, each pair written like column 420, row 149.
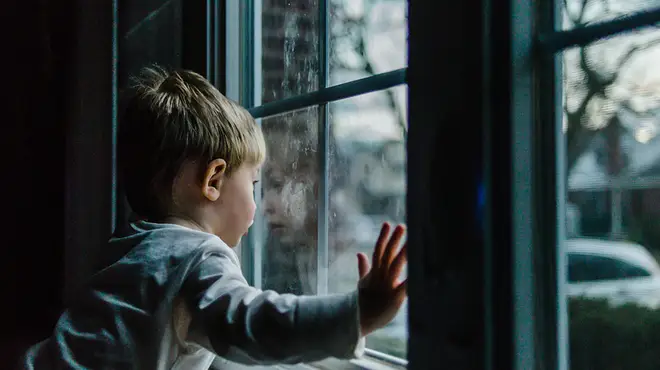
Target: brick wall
column 289, row 48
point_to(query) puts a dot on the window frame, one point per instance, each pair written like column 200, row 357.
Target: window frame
column 524, row 269
column 551, row 149
column 243, row 55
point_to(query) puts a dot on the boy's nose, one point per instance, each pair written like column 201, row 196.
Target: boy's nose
column 267, row 204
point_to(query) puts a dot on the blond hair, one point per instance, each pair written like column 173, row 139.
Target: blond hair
column 173, row 117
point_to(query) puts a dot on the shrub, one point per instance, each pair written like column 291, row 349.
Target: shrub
column 603, row 337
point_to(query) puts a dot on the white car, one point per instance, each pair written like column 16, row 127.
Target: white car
column 621, row 272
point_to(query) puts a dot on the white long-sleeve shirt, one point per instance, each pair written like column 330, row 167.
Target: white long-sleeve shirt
column 177, row 298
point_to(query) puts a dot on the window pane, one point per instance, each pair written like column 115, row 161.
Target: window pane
column 290, row 43
column 579, row 268
column 612, row 125
column 629, row 271
column 367, row 187
column 367, row 37
column 579, row 13
column 289, row 204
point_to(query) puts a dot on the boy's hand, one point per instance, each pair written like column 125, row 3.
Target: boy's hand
column 380, row 291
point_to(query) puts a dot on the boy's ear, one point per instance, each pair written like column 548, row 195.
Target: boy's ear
column 213, row 178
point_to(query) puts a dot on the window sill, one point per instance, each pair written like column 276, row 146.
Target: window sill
column 364, row 363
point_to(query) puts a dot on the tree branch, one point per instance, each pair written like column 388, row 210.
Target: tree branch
column 579, row 137
column 626, row 58
column 575, row 20
column 594, row 81
column 583, row 9
column 358, row 26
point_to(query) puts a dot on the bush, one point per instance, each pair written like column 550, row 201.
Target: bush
column 603, row 337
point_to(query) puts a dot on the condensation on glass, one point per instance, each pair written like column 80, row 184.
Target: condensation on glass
column 367, row 182
column 289, row 48
column 367, row 37
column 611, row 119
column 367, row 156
column 289, row 204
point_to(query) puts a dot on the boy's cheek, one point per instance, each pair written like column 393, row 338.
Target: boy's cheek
column 296, row 203
column 253, row 211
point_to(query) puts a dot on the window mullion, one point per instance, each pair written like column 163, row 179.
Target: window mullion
column 322, row 262
column 256, row 238
column 555, row 41
column 551, row 199
column 381, row 81
column 251, row 246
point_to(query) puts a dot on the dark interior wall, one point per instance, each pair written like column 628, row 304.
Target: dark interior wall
column 36, row 48
column 168, row 33
column 150, row 31
column 58, row 105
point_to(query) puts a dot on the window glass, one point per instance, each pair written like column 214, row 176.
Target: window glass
column 366, row 157
column 289, row 48
column 367, row 187
column 367, row 37
column 628, row 270
column 588, row 268
column 611, row 120
column 289, row 202
column 579, row 13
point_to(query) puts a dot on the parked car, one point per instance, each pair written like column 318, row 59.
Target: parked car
column 621, row 272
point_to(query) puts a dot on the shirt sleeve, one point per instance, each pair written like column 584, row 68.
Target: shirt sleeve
column 247, row 325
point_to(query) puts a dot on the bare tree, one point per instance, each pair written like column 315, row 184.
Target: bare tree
column 596, row 82
column 351, row 31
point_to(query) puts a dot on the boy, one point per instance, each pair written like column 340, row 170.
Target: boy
column 174, row 295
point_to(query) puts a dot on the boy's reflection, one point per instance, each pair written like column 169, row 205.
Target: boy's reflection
column 290, row 191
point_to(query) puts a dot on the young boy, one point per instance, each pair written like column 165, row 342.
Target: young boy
column 174, row 295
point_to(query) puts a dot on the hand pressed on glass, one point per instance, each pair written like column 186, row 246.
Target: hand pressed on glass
column 381, row 294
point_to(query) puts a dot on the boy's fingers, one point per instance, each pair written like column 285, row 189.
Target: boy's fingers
column 393, row 245
column 363, row 264
column 401, row 291
column 380, row 245
column 398, row 263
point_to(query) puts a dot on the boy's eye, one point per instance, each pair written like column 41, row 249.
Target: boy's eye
column 275, row 182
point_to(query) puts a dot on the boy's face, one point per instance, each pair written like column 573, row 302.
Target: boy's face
column 289, row 203
column 235, row 205
column 289, row 183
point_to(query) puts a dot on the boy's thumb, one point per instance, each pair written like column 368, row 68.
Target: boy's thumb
column 363, row 264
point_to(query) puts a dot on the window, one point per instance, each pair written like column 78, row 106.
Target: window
column 326, row 81
column 564, row 143
column 589, row 268
column 602, row 59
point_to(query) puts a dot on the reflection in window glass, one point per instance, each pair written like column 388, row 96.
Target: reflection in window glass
column 367, row 187
column 579, row 13
column 366, row 157
column 289, row 181
column 289, row 48
column 611, row 120
column 367, row 37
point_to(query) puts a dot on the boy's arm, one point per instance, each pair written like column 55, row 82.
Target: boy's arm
column 243, row 323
